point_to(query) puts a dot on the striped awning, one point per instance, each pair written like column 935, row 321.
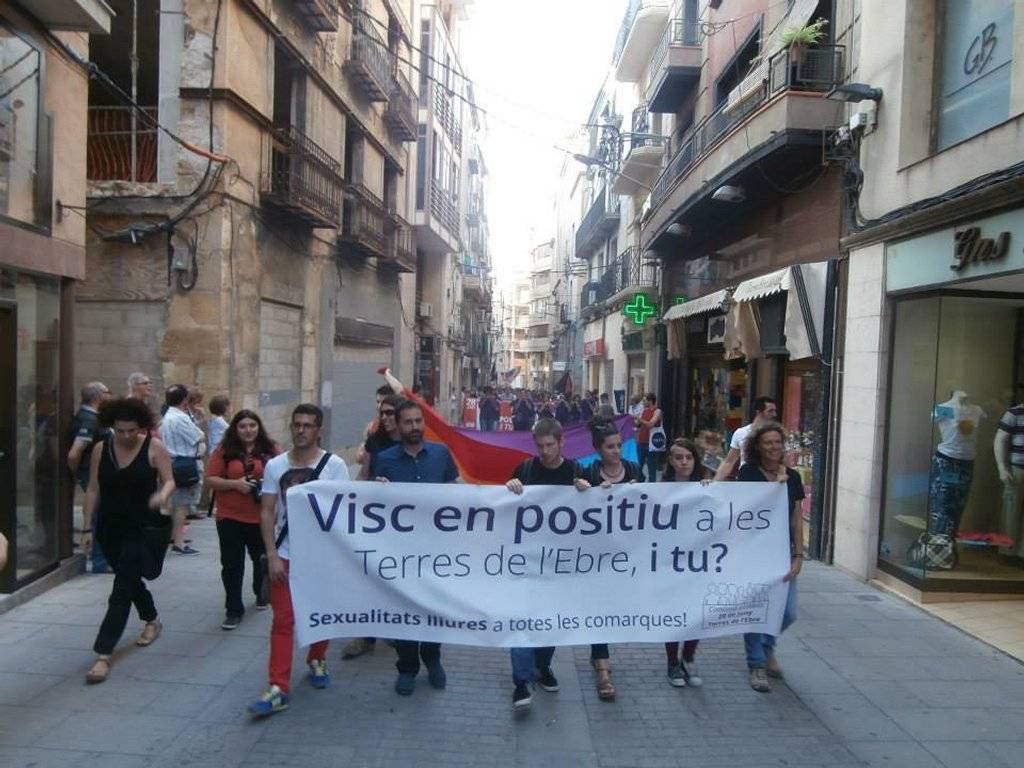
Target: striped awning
column 710, row 303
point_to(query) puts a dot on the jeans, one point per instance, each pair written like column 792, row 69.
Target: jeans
column 526, row 662
column 130, row 558
column 488, row 423
column 653, row 459
column 643, row 453
column 235, row 539
column 411, row 651
column 759, row 645
column 282, row 637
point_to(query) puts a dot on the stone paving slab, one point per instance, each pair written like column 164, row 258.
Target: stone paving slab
column 870, row 680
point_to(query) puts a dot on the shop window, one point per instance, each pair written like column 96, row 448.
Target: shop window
column 977, row 59
column 21, row 148
column 950, row 522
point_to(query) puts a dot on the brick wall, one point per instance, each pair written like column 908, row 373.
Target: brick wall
column 280, row 366
column 116, row 338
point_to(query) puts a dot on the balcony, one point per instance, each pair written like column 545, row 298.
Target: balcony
column 632, row 275
column 782, row 104
column 400, row 115
column 474, row 284
column 302, row 179
column 542, row 344
column 371, row 63
column 641, row 26
column 643, row 156
column 601, row 220
column 447, row 116
column 675, row 66
column 592, row 298
column 65, row 15
column 318, row 15
column 121, row 144
column 443, row 209
column 401, row 247
column 363, row 229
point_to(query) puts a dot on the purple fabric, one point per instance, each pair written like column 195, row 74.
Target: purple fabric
column 577, row 438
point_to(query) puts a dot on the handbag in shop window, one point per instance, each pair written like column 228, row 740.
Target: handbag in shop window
column 936, row 551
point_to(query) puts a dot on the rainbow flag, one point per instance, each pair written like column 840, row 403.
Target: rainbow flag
column 489, row 458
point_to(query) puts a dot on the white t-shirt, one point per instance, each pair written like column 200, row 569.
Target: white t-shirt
column 958, row 426
column 280, row 474
column 739, row 441
column 636, row 411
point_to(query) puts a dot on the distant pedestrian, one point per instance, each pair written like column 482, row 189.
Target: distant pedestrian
column 130, row 479
column 649, row 424
column 548, row 467
column 765, row 412
column 86, row 434
column 562, row 411
column 605, row 410
column 574, row 410
column 415, row 460
column 684, row 466
column 140, row 386
column 220, row 406
column 489, row 411
column 185, row 442
column 304, row 463
column 588, row 407
column 765, row 463
column 636, row 406
column 523, row 413
column 236, row 475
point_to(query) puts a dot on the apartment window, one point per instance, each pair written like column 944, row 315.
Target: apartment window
column 424, row 63
column 421, row 166
column 977, row 57
column 19, row 127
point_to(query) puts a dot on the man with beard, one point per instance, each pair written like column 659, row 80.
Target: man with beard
column 415, row 460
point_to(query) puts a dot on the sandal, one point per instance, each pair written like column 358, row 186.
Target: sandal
column 605, row 689
column 150, row 633
column 99, row 672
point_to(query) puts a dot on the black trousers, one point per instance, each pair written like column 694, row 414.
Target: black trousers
column 599, row 651
column 236, row 538
column 130, row 558
column 411, row 651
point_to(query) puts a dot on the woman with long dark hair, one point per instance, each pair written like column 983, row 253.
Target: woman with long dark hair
column 609, row 469
column 236, row 475
column 766, row 464
column 130, row 478
column 684, row 465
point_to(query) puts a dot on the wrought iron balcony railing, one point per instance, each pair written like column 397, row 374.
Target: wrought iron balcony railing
column 447, row 116
column 444, row 210
column 818, row 69
column 401, row 246
column 319, row 15
column 400, row 114
column 363, row 228
column 370, row 64
column 633, row 272
column 302, row 178
column 121, row 144
column 599, row 222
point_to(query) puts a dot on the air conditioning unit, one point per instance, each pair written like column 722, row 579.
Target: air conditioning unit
column 426, row 310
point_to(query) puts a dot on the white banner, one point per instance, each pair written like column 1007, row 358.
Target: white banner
column 478, row 565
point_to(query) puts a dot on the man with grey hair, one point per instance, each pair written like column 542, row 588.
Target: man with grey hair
column 86, row 433
column 140, row 386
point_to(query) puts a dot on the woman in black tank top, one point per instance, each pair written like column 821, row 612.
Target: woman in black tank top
column 125, row 472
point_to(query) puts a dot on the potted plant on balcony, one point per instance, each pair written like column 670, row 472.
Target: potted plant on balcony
column 798, row 39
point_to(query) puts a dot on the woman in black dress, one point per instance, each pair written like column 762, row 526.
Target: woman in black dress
column 609, row 469
column 125, row 473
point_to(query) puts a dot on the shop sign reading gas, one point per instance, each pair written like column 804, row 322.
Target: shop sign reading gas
column 972, row 248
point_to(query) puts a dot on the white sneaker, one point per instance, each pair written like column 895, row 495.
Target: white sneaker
column 693, row 678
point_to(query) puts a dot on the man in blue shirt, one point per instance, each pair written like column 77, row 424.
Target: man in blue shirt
column 415, row 460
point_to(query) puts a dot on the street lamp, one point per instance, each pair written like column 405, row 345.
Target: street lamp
column 854, row 92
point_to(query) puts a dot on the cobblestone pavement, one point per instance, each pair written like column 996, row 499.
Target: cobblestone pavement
column 870, row 681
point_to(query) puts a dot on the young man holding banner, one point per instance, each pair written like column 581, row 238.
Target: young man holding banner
column 305, row 462
column 549, row 467
column 415, row 460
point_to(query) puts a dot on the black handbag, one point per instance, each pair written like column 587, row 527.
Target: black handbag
column 185, row 470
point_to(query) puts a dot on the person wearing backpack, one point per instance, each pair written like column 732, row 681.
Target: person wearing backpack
column 304, row 463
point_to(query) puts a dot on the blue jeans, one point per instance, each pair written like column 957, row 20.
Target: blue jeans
column 526, row 662
column 653, row 460
column 758, row 644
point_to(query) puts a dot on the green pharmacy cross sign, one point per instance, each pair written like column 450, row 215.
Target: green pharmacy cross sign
column 640, row 309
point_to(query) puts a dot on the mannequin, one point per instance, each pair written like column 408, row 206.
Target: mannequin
column 1008, row 446
column 952, row 470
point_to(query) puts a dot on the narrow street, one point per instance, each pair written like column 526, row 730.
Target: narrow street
column 871, row 680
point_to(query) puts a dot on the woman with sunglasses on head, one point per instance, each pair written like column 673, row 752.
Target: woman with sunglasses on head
column 684, row 465
column 609, row 469
column 236, row 475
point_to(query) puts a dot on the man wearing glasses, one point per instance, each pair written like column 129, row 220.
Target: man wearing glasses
column 304, row 463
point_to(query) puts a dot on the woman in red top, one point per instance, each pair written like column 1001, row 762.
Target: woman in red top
column 236, row 474
column 645, row 422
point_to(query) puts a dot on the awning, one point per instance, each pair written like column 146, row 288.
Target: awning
column 710, row 303
column 806, row 289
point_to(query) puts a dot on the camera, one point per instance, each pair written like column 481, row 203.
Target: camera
column 255, row 488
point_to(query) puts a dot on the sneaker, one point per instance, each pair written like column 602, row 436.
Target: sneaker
column 273, row 700
column 231, row 622
column 262, row 603
column 689, row 670
column 546, row 679
column 318, row 676
column 521, row 696
column 676, row 676
column 772, row 668
column 405, row 684
column 355, row 648
column 186, row 550
column 759, row 680
column 436, row 676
